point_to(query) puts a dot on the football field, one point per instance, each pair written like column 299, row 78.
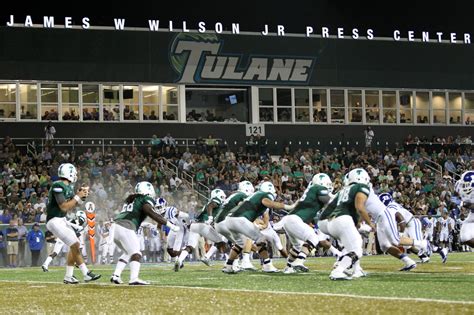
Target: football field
column 431, row 288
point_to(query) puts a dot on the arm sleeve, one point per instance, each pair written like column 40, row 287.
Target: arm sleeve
column 324, row 199
column 59, row 196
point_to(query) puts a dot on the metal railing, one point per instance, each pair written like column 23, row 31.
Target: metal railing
column 200, row 189
column 432, row 165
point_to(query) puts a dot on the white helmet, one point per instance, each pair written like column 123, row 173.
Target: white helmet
column 465, row 186
column 345, row 180
column 145, row 188
column 246, row 187
column 68, row 171
column 89, row 206
column 359, row 176
column 268, row 188
column 219, row 194
column 160, row 205
column 324, row 180
column 81, row 217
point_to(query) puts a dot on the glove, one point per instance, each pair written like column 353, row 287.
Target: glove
column 172, row 226
column 210, row 219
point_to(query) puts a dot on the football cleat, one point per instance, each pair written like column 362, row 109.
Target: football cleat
column 206, row 261
column 246, row 265
column 289, row 270
column 424, row 260
column 91, row 276
column 230, row 269
column 409, row 267
column 70, row 280
column 116, row 279
column 269, row 268
column 177, row 266
column 299, row 266
column 138, row 281
column 444, row 255
column 359, row 273
column 45, row 269
column 339, row 275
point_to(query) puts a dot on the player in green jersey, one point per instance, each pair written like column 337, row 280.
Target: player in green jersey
column 302, row 236
column 61, row 201
column 202, row 227
column 340, row 219
column 136, row 209
column 240, row 224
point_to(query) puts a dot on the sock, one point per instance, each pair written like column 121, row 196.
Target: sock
column 211, row 252
column 226, row 256
column 246, row 257
column 229, row 262
column 84, row 269
column 405, row 258
column 183, row 256
column 119, row 268
column 48, row 260
column 301, row 255
column 69, row 271
column 134, row 270
column 334, row 251
column 345, row 263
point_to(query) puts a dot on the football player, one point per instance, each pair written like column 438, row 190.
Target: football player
column 390, row 217
column 465, row 188
column 136, row 209
column 340, row 218
column 77, row 223
column 62, row 200
column 304, row 238
column 202, row 227
column 239, row 223
column 245, row 190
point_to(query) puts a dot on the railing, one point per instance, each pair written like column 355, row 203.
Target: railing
column 197, row 187
column 432, row 165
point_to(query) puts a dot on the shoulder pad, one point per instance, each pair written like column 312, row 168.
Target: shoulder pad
column 58, row 189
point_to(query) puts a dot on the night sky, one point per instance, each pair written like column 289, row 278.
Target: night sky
column 382, row 16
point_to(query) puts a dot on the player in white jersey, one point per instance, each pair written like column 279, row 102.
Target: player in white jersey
column 388, row 221
column 176, row 240
column 465, row 188
column 429, row 224
column 445, row 227
column 107, row 244
column 155, row 243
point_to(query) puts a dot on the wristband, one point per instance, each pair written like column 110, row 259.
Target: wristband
column 287, row 207
column 78, row 199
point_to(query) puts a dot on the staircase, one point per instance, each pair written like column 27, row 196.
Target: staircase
column 201, row 190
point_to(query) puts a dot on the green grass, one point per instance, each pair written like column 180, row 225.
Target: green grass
column 432, row 287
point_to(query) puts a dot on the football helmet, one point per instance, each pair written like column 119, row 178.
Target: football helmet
column 358, row 176
column 219, row 194
column 246, row 187
column 268, row 187
column 465, row 186
column 67, row 171
column 160, row 205
column 386, row 198
column 324, row 180
column 145, row 188
column 81, row 217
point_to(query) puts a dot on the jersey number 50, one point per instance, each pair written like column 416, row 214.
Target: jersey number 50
column 127, row 207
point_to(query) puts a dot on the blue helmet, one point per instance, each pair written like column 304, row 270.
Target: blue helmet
column 386, row 198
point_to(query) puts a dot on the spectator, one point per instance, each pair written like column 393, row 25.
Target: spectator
column 35, row 240
column 155, row 143
column 168, row 140
column 22, row 233
column 369, row 136
column 49, row 131
column 12, row 243
column 3, row 253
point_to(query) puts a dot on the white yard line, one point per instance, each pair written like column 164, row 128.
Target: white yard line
column 365, row 297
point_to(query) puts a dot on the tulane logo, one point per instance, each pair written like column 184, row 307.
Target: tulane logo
column 199, row 58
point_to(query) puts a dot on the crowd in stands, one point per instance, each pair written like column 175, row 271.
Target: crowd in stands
column 26, row 179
